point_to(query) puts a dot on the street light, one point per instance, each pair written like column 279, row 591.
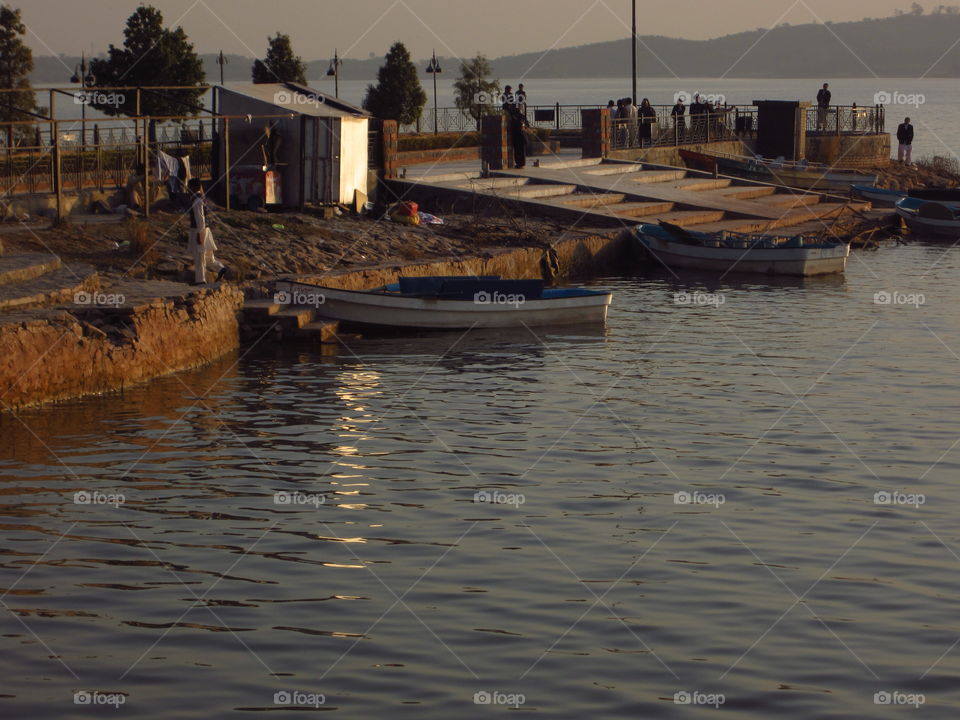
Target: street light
column 633, row 43
column 85, row 80
column 334, row 72
column 434, row 69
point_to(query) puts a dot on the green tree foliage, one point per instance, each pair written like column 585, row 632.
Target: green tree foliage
column 474, row 91
column 16, row 63
column 151, row 55
column 398, row 94
column 280, row 65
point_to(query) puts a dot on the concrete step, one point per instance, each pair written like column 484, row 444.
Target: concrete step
column 261, row 307
column 593, row 200
column 639, row 209
column 536, row 191
column 792, row 219
column 493, row 183
column 65, row 285
column 746, row 192
column 615, row 169
column 659, row 176
column 296, row 317
column 320, row 330
column 683, row 218
column 701, row 184
column 561, row 164
column 26, row 266
column 788, row 200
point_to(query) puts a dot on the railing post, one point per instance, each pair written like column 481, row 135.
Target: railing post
column 708, row 125
column 226, row 163
column 57, row 180
column 558, row 116
column 146, row 168
column 838, row 120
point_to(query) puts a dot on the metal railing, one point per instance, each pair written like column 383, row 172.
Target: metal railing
column 452, row 119
column 849, row 119
column 668, row 130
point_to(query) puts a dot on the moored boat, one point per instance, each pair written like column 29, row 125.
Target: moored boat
column 455, row 303
column 798, row 174
column 929, row 217
column 729, row 252
column 878, row 196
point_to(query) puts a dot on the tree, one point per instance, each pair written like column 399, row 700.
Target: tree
column 16, row 64
column 398, row 94
column 474, row 90
column 280, row 65
column 151, row 55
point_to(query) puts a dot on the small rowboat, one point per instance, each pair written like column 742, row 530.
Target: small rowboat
column 798, row 174
column 455, row 303
column 878, row 196
column 889, row 198
column 729, row 252
column 929, row 217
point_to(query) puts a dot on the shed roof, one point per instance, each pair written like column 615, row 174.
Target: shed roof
column 294, row 98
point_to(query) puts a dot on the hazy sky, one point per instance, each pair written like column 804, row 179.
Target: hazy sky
column 454, row 27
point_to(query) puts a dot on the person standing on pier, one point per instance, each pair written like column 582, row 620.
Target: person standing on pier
column 648, row 116
column 522, row 100
column 202, row 245
column 905, row 140
column 823, row 106
column 679, row 115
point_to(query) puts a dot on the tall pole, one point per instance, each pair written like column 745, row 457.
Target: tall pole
column 633, row 44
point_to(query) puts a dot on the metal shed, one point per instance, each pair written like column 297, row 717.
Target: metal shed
column 317, row 155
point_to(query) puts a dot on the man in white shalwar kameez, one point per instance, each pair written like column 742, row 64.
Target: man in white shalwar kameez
column 202, row 245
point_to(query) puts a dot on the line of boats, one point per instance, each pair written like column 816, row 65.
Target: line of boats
column 463, row 303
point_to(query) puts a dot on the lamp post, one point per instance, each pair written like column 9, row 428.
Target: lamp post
column 633, row 45
column 334, row 72
column 434, row 69
column 221, row 61
column 85, row 80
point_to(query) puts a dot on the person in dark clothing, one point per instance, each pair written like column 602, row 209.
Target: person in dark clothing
column 516, row 123
column 905, row 140
column 648, row 116
column 679, row 115
column 823, row 106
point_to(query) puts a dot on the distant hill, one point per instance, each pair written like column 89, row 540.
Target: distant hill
column 900, row 46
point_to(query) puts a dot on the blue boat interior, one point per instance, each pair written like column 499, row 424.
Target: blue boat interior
column 494, row 286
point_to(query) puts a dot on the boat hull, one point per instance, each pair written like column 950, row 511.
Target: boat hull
column 396, row 311
column 806, row 178
column 802, row 262
column 921, row 216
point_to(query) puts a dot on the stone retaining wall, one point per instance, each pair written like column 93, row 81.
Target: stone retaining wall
column 66, row 356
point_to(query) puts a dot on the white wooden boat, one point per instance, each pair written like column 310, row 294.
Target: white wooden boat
column 455, row 303
column 929, row 217
column 728, row 252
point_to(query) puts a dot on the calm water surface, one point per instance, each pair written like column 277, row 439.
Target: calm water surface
column 591, row 589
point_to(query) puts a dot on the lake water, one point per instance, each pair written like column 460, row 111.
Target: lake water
column 930, row 103
column 683, row 502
